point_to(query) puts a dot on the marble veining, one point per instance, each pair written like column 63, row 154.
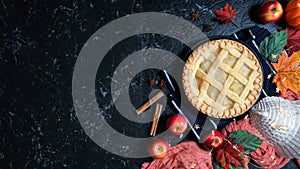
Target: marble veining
column 39, row 43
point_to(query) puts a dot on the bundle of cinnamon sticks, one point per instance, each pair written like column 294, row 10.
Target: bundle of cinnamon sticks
column 156, row 117
column 157, row 112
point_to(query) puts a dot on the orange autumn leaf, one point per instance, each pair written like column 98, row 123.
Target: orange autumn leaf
column 288, row 73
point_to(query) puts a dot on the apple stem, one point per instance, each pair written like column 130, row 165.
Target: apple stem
column 235, row 23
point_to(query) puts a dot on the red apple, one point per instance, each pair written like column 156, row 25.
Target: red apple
column 177, row 124
column 158, row 148
column 270, row 11
column 213, row 140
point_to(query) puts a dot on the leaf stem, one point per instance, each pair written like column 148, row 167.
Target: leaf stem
column 235, row 23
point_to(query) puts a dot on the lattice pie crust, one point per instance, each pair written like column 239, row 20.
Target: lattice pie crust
column 222, row 78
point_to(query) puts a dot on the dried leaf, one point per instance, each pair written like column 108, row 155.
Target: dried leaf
column 240, row 143
column 272, row 45
column 247, row 139
column 227, row 14
column 293, row 43
column 288, row 73
column 217, row 166
column 230, row 155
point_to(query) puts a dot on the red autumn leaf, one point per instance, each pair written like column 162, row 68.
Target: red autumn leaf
column 227, row 14
column 230, row 154
column 293, row 43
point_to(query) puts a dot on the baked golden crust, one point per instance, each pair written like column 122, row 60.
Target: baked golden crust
column 222, row 78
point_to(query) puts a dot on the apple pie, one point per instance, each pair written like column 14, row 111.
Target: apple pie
column 222, row 78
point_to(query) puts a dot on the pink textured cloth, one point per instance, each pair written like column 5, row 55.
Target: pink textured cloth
column 265, row 156
column 289, row 95
column 186, row 155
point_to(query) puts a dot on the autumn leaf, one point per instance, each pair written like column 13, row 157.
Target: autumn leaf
column 293, row 43
column 230, row 155
column 247, row 139
column 239, row 144
column 272, row 46
column 226, row 15
column 288, row 73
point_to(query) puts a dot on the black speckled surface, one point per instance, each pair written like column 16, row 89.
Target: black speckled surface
column 39, row 44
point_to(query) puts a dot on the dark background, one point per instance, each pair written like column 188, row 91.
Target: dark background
column 39, row 44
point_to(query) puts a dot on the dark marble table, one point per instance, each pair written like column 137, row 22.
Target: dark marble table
column 40, row 43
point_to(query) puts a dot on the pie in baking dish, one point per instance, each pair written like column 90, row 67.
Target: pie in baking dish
column 222, row 78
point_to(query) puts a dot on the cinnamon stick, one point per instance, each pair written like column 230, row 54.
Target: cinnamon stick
column 150, row 102
column 156, row 117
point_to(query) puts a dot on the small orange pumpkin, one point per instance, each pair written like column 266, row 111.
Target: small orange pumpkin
column 292, row 13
